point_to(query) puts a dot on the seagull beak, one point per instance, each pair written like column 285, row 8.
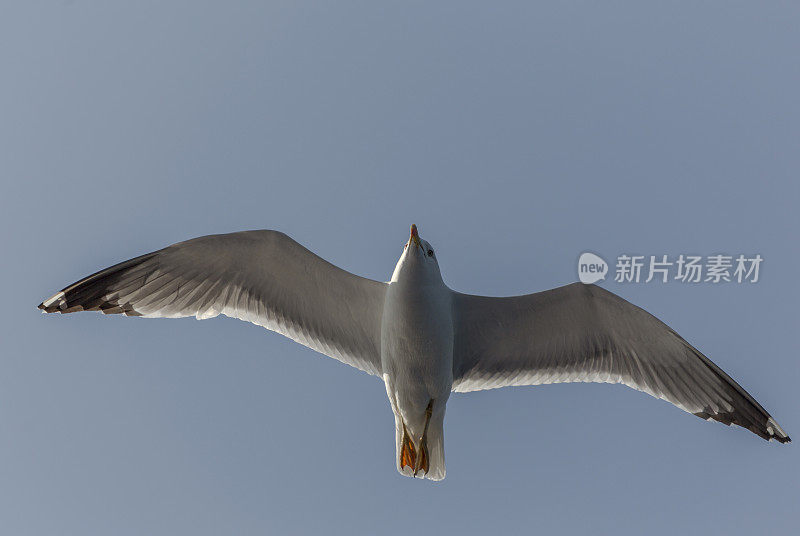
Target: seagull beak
column 414, row 238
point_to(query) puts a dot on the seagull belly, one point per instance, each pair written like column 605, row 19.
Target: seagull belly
column 417, row 351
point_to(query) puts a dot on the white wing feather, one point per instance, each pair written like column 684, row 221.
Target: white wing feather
column 263, row 277
column 583, row 333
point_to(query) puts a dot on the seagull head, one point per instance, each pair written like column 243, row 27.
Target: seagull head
column 418, row 262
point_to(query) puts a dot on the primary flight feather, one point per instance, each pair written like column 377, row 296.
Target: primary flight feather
column 421, row 338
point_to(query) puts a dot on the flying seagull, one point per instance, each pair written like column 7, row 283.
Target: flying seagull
column 423, row 339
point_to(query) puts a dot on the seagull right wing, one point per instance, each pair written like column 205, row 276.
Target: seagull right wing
column 584, row 333
column 263, row 277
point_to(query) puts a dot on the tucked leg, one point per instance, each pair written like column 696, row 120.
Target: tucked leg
column 423, row 460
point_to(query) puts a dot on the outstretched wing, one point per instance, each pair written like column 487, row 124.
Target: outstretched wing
column 263, row 277
column 583, row 333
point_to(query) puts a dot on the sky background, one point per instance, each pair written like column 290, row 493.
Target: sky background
column 514, row 134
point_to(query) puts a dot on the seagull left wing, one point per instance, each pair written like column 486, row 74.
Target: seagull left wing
column 263, row 277
column 584, row 333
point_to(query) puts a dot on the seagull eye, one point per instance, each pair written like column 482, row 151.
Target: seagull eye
column 430, row 253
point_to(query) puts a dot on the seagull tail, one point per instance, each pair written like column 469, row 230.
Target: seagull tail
column 428, row 458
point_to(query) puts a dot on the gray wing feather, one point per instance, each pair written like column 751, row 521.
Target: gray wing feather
column 583, row 333
column 263, row 277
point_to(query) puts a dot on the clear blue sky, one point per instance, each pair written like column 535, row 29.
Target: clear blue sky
column 515, row 134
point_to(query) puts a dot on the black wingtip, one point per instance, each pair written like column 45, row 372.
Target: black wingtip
column 776, row 432
column 52, row 304
column 90, row 293
column 768, row 429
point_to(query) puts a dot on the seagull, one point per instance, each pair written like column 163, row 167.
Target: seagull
column 422, row 338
